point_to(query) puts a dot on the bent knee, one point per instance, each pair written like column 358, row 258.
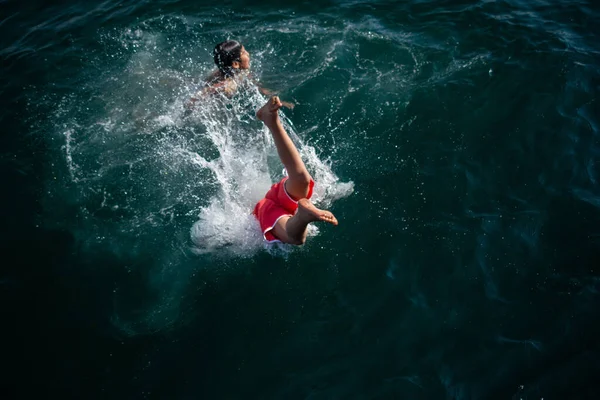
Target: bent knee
column 301, row 178
column 298, row 186
column 305, row 179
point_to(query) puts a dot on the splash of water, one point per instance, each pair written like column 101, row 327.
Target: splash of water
column 143, row 159
column 244, row 169
column 143, row 176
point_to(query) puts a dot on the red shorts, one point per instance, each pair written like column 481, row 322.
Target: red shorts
column 277, row 203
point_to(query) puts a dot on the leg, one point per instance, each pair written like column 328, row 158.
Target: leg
column 298, row 177
column 293, row 229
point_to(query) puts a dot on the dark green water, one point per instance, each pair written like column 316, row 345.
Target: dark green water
column 457, row 142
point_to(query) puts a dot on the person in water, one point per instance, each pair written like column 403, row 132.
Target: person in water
column 233, row 64
column 286, row 210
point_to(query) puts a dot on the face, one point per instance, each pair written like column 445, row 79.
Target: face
column 244, row 62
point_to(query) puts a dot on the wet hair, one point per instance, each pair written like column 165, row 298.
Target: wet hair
column 225, row 54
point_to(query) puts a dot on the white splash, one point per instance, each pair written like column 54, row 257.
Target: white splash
column 144, row 165
column 245, row 168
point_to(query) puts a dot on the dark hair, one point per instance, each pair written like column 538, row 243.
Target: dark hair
column 225, row 54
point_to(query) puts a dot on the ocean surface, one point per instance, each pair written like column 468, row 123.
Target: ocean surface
column 457, row 142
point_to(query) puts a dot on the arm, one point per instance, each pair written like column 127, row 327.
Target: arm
column 192, row 101
column 287, row 104
column 265, row 91
column 269, row 92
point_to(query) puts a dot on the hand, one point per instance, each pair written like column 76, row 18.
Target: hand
column 287, row 104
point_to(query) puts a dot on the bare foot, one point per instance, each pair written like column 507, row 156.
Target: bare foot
column 308, row 212
column 268, row 113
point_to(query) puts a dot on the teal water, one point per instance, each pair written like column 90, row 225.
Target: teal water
column 456, row 142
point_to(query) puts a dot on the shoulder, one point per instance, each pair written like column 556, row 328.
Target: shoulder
column 227, row 86
column 214, row 76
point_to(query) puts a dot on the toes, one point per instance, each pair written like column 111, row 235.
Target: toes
column 275, row 103
column 328, row 217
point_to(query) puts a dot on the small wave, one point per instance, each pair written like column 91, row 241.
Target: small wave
column 216, row 162
column 143, row 176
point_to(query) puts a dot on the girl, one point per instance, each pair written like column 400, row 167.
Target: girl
column 233, row 63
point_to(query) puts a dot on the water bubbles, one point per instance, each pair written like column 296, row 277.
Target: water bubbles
column 148, row 177
column 243, row 166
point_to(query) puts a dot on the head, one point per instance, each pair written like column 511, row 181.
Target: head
column 231, row 57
